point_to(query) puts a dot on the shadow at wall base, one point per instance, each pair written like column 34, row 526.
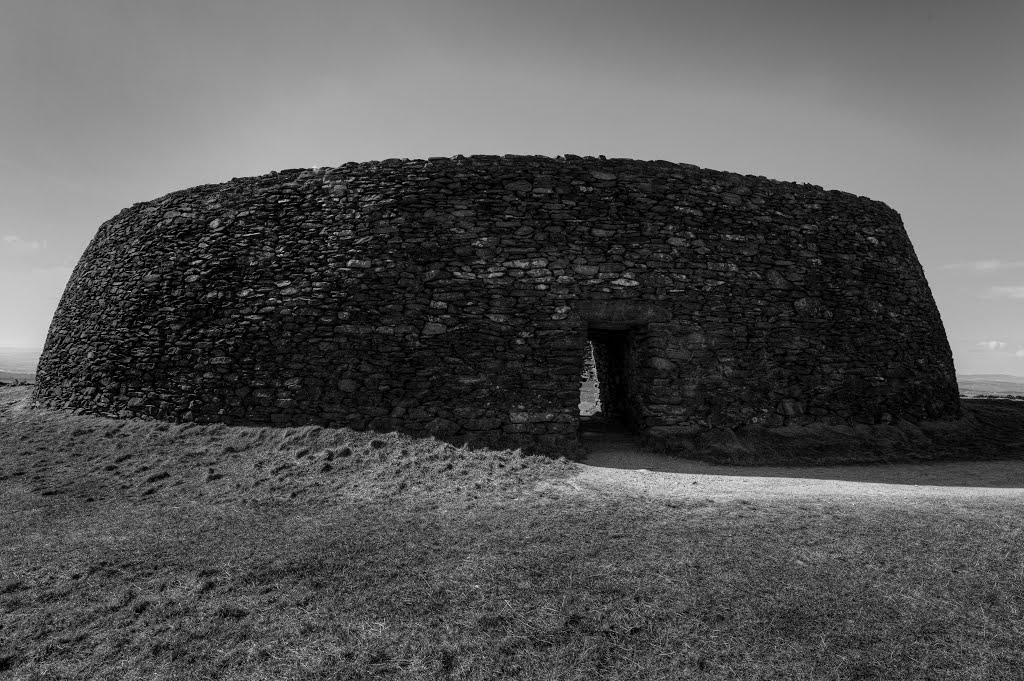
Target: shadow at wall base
column 986, row 430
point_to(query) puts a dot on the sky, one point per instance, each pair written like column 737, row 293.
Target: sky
column 917, row 103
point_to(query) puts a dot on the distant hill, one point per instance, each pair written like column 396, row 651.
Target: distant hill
column 973, row 385
column 11, row 377
column 19, row 360
column 18, row 364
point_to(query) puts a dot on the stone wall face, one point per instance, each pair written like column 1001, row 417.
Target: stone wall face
column 455, row 296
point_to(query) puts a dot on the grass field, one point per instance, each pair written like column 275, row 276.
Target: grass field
column 140, row 550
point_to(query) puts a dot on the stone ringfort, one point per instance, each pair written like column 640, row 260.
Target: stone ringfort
column 459, row 297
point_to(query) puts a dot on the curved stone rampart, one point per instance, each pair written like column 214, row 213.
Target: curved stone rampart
column 456, row 296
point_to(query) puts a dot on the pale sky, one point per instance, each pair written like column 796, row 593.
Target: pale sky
column 917, row 103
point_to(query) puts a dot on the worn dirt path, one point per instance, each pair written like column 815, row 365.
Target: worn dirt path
column 616, row 463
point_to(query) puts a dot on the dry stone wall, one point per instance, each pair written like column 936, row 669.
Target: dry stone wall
column 455, row 296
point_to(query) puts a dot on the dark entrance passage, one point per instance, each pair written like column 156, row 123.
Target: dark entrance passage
column 616, row 359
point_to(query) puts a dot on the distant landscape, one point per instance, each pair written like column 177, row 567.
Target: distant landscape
column 974, row 385
column 18, row 364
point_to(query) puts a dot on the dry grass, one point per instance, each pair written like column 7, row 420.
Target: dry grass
column 92, row 459
column 123, row 556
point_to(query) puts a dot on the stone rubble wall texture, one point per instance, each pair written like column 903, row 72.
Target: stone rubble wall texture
column 454, row 296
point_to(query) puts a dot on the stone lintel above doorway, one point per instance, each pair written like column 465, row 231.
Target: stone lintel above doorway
column 619, row 314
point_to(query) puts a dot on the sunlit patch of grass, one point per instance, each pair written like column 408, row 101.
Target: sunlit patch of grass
column 554, row 588
column 314, row 554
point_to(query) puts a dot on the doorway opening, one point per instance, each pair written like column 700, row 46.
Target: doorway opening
column 608, row 396
column 590, row 392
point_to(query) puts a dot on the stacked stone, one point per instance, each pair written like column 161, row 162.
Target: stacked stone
column 451, row 295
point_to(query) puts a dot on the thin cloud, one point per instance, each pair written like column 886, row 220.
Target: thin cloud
column 1019, row 353
column 13, row 243
column 984, row 265
column 992, row 345
column 1006, row 292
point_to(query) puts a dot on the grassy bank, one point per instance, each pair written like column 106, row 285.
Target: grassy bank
column 142, row 550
